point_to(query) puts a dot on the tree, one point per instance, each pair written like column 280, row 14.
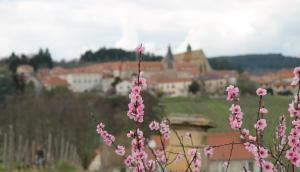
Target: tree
column 116, row 81
column 13, row 62
column 194, row 87
column 6, row 83
column 42, row 59
column 113, row 54
column 246, row 85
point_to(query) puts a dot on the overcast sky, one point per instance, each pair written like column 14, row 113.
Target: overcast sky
column 219, row 27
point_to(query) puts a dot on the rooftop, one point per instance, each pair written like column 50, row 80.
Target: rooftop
column 222, row 153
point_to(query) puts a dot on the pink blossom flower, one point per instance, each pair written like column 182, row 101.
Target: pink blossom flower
column 154, row 125
column 250, row 147
column 208, row 151
column 297, row 71
column 252, row 138
column 261, row 92
column 178, row 157
column 290, row 154
column 245, row 133
column 188, row 134
column 192, row 152
column 267, row 166
column 128, row 161
column 151, row 165
column 261, row 124
column 295, row 80
column 263, row 110
column 120, row 150
column 196, row 164
column 262, row 152
column 140, row 49
column 235, row 109
column 130, row 134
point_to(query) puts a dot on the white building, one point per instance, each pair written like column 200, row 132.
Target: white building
column 174, row 86
column 123, row 87
column 80, row 82
column 215, row 82
column 106, row 83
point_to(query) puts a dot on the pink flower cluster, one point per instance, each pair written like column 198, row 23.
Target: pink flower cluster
column 195, row 160
column 107, row 138
column 136, row 105
column 154, row 126
column 232, row 92
column 163, row 128
column 120, row 150
column 296, row 76
column 208, row 151
column 294, row 107
column 160, row 156
column 293, row 141
column 140, row 49
column 138, row 159
column 280, row 131
column 236, row 117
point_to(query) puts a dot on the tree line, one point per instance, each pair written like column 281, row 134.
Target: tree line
column 114, row 54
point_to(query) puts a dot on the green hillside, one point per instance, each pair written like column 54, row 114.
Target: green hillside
column 217, row 111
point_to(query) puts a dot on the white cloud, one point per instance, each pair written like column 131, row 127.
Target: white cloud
column 219, row 27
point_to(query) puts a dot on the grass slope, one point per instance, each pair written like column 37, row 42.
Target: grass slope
column 217, row 110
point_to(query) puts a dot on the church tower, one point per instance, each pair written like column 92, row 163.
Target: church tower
column 188, row 48
column 169, row 59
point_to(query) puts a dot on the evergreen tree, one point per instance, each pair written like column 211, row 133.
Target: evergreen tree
column 194, row 87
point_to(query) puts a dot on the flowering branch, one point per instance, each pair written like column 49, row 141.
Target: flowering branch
column 138, row 160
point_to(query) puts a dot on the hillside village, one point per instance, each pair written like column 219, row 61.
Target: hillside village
column 172, row 76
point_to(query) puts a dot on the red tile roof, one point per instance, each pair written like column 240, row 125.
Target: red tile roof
column 222, row 153
column 55, row 82
column 221, row 73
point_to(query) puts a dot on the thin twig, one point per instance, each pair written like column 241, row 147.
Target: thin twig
column 228, row 162
column 159, row 163
column 183, row 149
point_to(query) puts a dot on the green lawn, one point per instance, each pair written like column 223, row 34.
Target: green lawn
column 217, row 110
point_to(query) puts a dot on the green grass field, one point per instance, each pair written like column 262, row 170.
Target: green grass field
column 217, row 110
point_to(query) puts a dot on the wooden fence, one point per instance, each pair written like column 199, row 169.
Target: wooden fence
column 20, row 153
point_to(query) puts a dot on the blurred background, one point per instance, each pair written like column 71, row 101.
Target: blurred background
column 62, row 62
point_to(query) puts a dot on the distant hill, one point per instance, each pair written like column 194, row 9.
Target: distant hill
column 254, row 63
